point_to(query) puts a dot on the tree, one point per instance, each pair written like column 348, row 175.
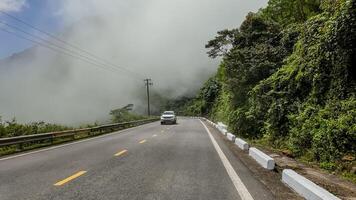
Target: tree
column 287, row 12
column 123, row 114
column 222, row 43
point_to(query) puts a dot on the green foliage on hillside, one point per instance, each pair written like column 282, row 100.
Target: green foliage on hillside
column 13, row 128
column 327, row 132
column 286, row 12
column 319, row 75
column 288, row 76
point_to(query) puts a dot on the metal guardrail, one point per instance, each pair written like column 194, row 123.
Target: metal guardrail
column 20, row 140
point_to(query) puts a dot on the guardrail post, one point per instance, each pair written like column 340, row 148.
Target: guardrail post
column 21, row 146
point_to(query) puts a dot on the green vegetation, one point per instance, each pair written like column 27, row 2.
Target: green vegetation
column 124, row 114
column 13, row 128
column 288, row 78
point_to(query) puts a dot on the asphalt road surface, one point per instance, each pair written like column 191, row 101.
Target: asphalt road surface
column 183, row 161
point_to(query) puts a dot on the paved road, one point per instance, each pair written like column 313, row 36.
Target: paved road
column 183, row 161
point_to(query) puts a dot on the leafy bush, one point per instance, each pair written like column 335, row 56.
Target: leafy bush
column 124, row 115
column 328, row 166
column 329, row 132
column 13, row 128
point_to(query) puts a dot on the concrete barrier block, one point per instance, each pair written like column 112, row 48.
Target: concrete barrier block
column 241, row 144
column 223, row 131
column 231, row 137
column 263, row 159
column 305, row 187
column 223, row 126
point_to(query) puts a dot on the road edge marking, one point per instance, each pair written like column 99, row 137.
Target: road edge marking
column 236, row 180
column 72, row 177
column 71, row 143
column 121, row 152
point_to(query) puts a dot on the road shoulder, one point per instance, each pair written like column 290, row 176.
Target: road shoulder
column 270, row 181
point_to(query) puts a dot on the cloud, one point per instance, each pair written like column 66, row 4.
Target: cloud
column 163, row 40
column 12, row 5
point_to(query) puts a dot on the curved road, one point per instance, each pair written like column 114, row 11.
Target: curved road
column 184, row 161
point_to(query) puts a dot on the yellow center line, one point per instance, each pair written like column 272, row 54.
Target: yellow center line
column 121, row 152
column 142, row 141
column 74, row 176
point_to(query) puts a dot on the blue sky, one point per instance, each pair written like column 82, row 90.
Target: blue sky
column 40, row 13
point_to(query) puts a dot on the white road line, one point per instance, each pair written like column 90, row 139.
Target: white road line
column 239, row 186
column 71, row 143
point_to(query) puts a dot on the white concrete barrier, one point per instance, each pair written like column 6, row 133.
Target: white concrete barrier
column 223, row 131
column 223, row 126
column 305, row 187
column 263, row 159
column 241, row 144
column 231, row 137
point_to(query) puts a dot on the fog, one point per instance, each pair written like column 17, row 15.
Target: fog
column 158, row 39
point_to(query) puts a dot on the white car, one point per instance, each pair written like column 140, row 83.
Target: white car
column 168, row 117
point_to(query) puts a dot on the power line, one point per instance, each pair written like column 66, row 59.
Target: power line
column 55, row 45
column 57, row 50
column 69, row 44
column 78, row 53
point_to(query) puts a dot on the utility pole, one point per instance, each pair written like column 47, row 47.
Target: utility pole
column 148, row 83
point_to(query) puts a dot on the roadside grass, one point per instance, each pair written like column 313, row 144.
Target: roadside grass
column 349, row 176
